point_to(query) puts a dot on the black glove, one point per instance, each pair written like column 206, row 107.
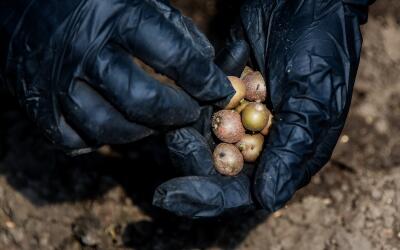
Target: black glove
column 70, row 64
column 308, row 52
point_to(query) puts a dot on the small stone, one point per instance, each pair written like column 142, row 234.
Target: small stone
column 344, row 139
column 382, row 126
column 90, row 240
column 388, row 220
column 107, row 151
column 44, row 239
column 327, row 201
column 376, row 194
column 374, row 212
column 387, row 233
column 369, row 224
column 86, row 230
column 10, row 224
column 277, row 214
column 345, row 187
column 316, row 179
column 337, row 195
column 388, row 196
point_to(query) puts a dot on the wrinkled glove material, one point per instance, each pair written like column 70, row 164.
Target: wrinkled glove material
column 70, row 64
column 308, row 52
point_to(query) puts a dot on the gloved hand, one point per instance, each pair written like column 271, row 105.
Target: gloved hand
column 70, row 64
column 308, row 52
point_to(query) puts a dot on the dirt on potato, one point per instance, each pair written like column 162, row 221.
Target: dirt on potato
column 103, row 200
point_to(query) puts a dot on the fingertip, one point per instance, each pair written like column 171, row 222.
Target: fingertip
column 191, row 197
column 137, row 95
column 204, row 197
column 97, row 121
column 173, row 53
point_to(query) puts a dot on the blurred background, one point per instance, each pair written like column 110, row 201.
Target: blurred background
column 103, row 200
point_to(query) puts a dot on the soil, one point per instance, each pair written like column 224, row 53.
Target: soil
column 103, row 200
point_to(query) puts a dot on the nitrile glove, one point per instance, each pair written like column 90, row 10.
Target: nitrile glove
column 70, row 64
column 308, row 52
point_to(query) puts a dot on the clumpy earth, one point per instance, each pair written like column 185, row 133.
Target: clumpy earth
column 103, row 200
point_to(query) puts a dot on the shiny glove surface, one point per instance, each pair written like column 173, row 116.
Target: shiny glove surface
column 70, row 64
column 308, row 52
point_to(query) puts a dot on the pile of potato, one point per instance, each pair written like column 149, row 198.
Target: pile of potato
column 242, row 125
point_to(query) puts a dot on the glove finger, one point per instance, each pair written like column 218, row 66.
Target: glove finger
column 148, row 35
column 137, row 95
column 96, row 119
column 233, row 58
column 56, row 128
column 190, row 152
column 202, row 197
column 62, row 134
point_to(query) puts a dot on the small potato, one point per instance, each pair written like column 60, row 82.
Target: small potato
column 227, row 159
